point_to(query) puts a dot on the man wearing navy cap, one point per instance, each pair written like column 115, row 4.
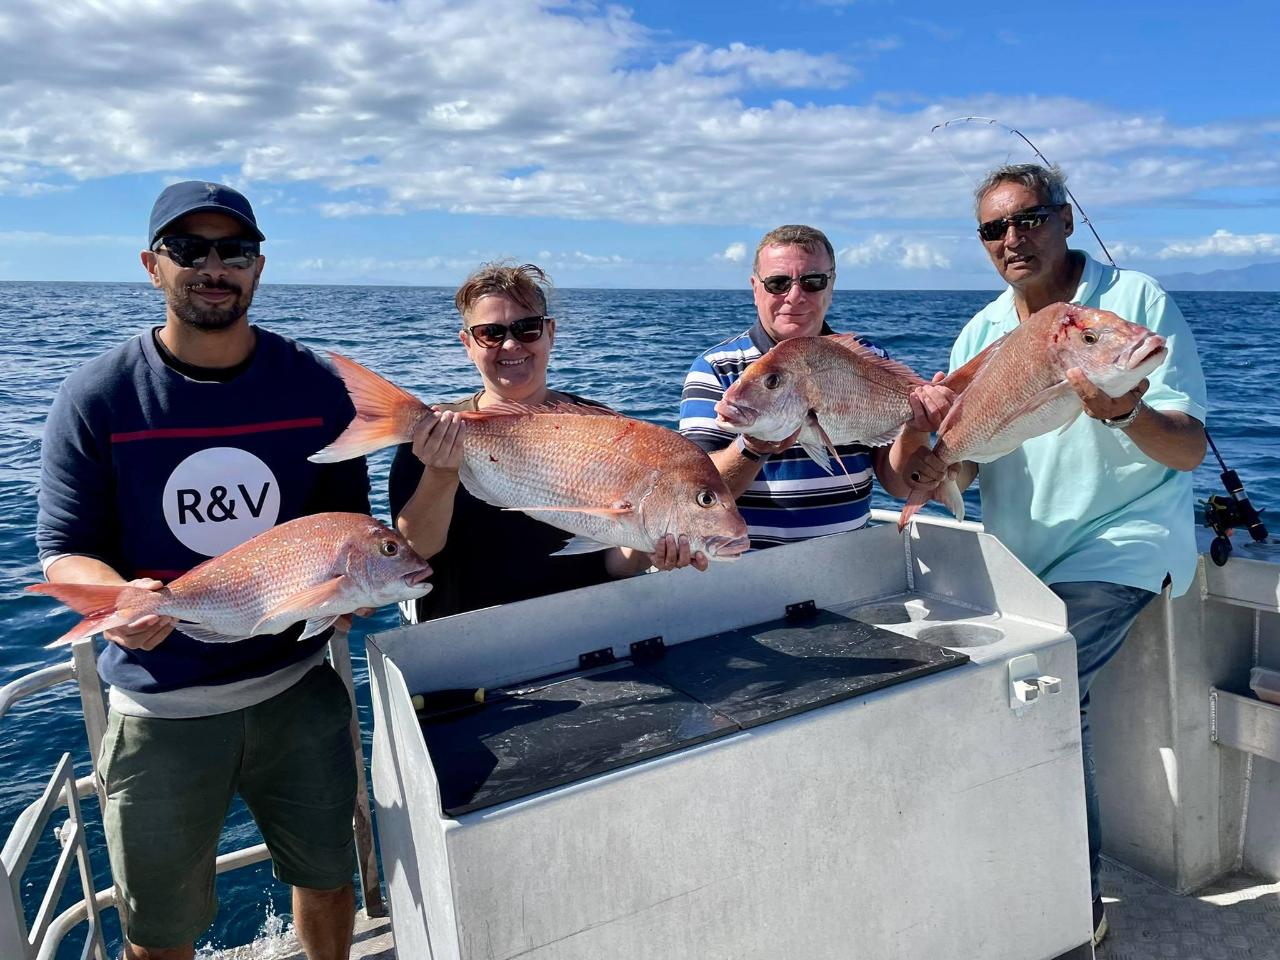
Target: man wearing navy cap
column 181, row 443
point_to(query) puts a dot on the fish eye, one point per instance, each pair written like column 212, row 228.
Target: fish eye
column 389, row 548
column 771, row 381
column 705, row 498
column 1089, row 336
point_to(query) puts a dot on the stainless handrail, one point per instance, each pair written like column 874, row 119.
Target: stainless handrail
column 50, row 931
column 17, row 940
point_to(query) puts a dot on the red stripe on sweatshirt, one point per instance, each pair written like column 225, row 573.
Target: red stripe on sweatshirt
column 166, row 433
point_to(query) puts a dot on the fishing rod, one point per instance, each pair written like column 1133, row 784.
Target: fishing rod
column 1075, row 204
column 1221, row 514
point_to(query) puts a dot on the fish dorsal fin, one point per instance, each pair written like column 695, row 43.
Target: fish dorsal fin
column 850, row 342
column 303, row 605
column 510, row 408
column 963, row 375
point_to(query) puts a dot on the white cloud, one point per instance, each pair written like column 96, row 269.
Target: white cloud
column 904, row 252
column 734, row 253
column 781, row 68
column 555, row 262
column 432, row 104
column 405, row 269
column 1123, row 251
column 1223, row 243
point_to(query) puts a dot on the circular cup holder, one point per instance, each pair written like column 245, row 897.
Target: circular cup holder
column 890, row 613
column 960, row 635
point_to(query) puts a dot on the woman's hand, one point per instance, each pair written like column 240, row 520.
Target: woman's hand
column 672, row 554
column 437, row 440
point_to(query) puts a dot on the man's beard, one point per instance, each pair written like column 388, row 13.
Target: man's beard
column 186, row 309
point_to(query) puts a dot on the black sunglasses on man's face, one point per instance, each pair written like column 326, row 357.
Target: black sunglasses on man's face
column 189, row 252
column 1022, row 221
column 781, row 283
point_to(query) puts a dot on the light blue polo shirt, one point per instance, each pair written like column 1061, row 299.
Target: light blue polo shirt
column 1087, row 504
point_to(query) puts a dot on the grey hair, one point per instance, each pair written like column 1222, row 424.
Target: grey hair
column 797, row 235
column 1049, row 183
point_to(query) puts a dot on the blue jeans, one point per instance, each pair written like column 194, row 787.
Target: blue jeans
column 1099, row 616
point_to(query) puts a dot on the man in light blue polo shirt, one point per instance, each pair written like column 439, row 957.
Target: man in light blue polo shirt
column 1101, row 512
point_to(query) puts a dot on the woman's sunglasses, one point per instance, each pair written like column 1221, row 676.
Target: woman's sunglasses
column 188, row 252
column 809, row 283
column 1022, row 221
column 524, row 330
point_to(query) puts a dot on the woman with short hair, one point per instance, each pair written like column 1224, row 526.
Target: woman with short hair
column 484, row 555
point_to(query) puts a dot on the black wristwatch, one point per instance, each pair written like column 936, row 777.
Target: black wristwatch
column 747, row 452
column 1119, row 423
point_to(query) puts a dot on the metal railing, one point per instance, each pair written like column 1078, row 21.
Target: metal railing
column 41, row 939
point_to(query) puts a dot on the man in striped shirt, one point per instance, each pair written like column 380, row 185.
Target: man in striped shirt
column 783, row 495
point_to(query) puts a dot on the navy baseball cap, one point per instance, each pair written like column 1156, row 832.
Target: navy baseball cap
column 193, row 196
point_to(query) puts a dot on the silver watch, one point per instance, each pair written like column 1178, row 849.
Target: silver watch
column 754, row 456
column 1119, row 423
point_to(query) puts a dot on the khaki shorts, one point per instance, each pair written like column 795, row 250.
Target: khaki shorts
column 169, row 785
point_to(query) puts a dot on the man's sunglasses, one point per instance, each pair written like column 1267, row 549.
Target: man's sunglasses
column 524, row 330
column 809, row 283
column 1022, row 221
column 234, row 252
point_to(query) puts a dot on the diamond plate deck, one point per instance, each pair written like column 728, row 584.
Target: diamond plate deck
column 1237, row 918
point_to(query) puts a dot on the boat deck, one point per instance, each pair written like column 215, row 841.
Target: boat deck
column 1237, row 918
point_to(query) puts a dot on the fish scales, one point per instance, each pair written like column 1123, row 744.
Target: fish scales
column 1016, row 388
column 312, row 568
column 832, row 389
column 608, row 479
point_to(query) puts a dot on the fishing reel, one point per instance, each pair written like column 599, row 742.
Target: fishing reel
column 1222, row 515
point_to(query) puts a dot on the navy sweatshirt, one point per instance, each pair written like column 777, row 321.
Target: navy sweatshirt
column 154, row 473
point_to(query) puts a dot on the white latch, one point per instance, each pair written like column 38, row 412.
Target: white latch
column 1027, row 683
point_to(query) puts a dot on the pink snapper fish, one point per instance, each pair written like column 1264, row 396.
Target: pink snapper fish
column 1017, row 389
column 833, row 389
column 315, row 568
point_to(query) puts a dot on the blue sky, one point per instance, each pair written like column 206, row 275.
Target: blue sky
column 642, row 146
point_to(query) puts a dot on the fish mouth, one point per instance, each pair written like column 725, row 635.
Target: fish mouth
column 415, row 578
column 732, row 414
column 727, row 548
column 1148, row 348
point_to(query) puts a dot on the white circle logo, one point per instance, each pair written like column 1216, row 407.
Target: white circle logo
column 218, row 498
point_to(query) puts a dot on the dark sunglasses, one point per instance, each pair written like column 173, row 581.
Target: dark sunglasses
column 809, row 283
column 524, row 330
column 234, row 252
column 1022, row 221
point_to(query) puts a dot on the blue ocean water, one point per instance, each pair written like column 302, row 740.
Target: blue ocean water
column 627, row 348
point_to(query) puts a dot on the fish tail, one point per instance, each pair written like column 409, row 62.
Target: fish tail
column 379, row 421
column 947, row 493
column 97, row 603
column 915, row 501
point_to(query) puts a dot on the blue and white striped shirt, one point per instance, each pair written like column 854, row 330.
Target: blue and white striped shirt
column 792, row 498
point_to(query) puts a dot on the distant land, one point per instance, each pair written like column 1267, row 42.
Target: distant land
column 1256, row 278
